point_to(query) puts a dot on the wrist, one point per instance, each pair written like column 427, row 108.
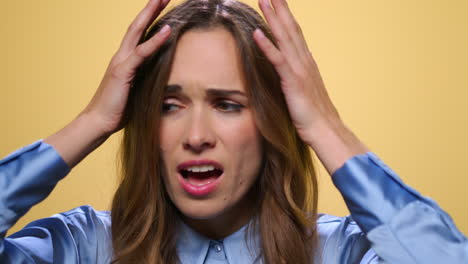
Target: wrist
column 334, row 143
column 322, row 130
column 92, row 126
column 77, row 139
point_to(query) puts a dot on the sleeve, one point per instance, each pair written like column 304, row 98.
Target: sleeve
column 402, row 225
column 27, row 177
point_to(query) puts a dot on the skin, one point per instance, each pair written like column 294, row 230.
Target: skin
column 311, row 109
column 199, row 125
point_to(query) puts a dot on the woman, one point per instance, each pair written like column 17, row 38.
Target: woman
column 218, row 114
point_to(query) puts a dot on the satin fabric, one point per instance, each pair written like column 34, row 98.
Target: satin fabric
column 389, row 223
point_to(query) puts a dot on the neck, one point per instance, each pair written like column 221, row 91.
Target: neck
column 225, row 223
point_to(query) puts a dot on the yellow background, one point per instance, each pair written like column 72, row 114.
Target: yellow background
column 396, row 70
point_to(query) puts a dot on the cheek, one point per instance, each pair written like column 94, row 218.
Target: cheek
column 169, row 135
column 243, row 141
column 239, row 132
column 169, row 138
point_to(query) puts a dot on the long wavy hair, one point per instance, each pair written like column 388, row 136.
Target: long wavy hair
column 144, row 219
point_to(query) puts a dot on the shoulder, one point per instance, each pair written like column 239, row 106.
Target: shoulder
column 77, row 235
column 87, row 221
column 85, row 214
column 341, row 240
column 329, row 224
column 83, row 222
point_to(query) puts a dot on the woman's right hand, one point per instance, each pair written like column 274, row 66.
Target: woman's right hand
column 108, row 103
column 103, row 115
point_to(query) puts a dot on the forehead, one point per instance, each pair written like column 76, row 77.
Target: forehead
column 207, row 58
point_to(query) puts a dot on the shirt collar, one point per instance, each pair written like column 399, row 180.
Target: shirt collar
column 192, row 247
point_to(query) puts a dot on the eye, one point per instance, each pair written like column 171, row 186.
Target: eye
column 169, row 106
column 229, row 107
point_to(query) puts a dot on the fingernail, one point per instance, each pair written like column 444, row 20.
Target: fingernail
column 164, row 29
column 260, row 34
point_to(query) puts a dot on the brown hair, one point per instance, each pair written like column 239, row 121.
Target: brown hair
column 144, row 218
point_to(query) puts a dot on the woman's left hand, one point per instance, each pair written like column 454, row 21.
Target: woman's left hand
column 312, row 111
column 302, row 85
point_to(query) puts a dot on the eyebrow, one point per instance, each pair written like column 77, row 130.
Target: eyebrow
column 175, row 88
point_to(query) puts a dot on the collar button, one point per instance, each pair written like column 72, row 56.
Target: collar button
column 218, row 248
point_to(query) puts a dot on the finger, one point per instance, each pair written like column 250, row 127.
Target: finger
column 287, row 19
column 273, row 54
column 144, row 50
column 279, row 31
column 139, row 25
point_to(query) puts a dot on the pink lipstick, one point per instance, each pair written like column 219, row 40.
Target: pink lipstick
column 199, row 177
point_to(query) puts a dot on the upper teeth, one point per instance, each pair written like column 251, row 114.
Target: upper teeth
column 200, row 168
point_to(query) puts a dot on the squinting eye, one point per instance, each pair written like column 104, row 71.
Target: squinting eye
column 228, row 107
column 167, row 108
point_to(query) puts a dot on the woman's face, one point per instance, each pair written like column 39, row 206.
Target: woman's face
column 209, row 142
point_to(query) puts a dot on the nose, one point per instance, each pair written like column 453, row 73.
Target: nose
column 200, row 135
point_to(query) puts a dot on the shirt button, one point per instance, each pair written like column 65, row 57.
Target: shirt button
column 218, row 248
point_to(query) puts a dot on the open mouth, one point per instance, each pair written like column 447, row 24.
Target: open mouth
column 201, row 176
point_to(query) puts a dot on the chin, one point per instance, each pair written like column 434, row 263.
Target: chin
column 201, row 210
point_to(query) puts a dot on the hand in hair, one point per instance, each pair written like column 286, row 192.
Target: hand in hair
column 103, row 115
column 110, row 98
column 312, row 111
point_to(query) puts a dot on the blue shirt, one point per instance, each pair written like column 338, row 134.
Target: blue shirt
column 389, row 223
